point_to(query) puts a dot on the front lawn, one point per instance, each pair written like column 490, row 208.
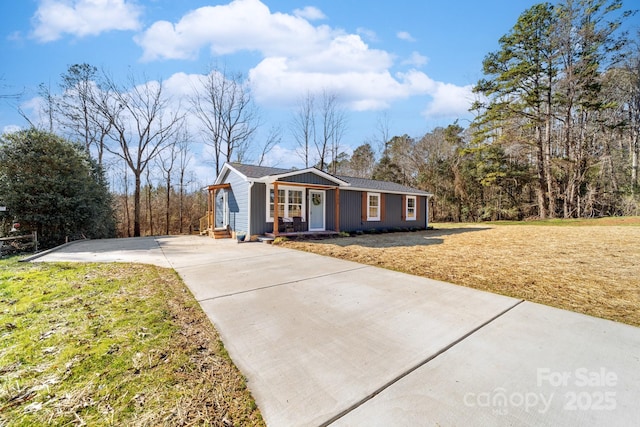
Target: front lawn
column 111, row 344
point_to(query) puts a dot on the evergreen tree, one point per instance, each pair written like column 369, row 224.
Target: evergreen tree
column 52, row 186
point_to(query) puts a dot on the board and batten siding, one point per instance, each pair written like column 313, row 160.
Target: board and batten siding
column 238, row 202
column 259, row 224
column 308, row 178
column 351, row 214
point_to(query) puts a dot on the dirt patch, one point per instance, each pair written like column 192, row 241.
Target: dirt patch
column 591, row 269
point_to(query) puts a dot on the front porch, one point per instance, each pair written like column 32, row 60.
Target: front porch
column 325, row 233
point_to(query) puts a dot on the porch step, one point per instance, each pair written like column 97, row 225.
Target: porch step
column 221, row 234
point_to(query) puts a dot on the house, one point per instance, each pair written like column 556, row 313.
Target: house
column 258, row 200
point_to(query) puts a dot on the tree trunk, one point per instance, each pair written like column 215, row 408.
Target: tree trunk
column 136, row 206
column 168, row 206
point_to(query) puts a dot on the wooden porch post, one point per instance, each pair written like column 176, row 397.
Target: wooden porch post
column 209, row 210
column 213, row 211
column 337, row 210
column 276, row 219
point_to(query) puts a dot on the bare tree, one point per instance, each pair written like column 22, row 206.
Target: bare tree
column 166, row 161
column 332, row 122
column 223, row 104
column 323, row 126
column 78, row 107
column 142, row 124
column 184, row 158
column 273, row 138
column 303, row 127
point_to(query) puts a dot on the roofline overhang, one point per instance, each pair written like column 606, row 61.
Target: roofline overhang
column 376, row 190
column 227, row 166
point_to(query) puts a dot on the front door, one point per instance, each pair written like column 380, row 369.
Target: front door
column 316, row 210
column 221, row 209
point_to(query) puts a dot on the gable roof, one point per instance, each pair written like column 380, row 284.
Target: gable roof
column 251, row 171
column 263, row 173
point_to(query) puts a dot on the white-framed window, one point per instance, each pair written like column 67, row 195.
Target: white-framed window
column 291, row 202
column 410, row 208
column 373, row 206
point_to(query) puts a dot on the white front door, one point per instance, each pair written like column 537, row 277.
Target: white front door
column 316, row 210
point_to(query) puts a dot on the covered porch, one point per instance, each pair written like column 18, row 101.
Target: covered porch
column 302, row 209
column 213, row 223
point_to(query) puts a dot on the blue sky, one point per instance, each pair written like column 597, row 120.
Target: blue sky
column 413, row 62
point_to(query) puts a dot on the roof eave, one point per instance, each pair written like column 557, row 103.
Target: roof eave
column 269, row 179
column 377, row 190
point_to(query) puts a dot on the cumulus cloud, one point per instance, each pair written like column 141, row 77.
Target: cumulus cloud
column 240, row 25
column 310, row 13
column 449, row 100
column 416, row 60
column 81, row 18
column 403, row 35
column 367, row 34
column 296, row 57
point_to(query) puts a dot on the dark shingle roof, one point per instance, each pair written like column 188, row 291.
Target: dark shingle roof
column 251, row 171
column 383, row 186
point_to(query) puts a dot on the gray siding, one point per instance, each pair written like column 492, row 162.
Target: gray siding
column 351, row 213
column 259, row 225
column 237, row 199
column 308, row 178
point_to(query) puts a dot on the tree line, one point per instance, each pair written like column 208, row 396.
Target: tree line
column 556, row 127
column 554, row 134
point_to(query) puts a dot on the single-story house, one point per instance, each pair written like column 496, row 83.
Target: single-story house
column 258, row 200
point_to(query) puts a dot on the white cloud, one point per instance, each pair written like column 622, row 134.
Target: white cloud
column 404, row 35
column 296, row 57
column 367, row 34
column 81, row 18
column 311, row 13
column 416, row 60
column 240, row 25
column 449, row 100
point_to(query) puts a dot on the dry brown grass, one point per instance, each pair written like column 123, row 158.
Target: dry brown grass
column 589, row 267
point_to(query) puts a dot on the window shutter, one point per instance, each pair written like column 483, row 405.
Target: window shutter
column 404, row 208
column 365, row 205
column 418, row 203
column 382, row 207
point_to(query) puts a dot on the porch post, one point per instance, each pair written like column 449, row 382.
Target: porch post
column 337, row 210
column 275, row 208
column 213, row 214
column 209, row 210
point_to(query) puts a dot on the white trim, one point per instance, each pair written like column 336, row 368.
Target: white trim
column 415, row 208
column 371, row 190
column 324, row 209
column 373, row 218
column 286, row 189
column 249, row 209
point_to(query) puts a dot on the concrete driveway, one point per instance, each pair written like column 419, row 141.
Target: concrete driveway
column 324, row 341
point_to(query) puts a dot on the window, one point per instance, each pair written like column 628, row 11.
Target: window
column 290, row 203
column 281, row 203
column 373, row 206
column 294, row 204
column 410, row 209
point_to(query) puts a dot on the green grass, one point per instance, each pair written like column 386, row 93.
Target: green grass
column 111, row 344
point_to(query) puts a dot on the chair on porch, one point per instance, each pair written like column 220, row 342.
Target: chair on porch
column 298, row 225
column 285, row 225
